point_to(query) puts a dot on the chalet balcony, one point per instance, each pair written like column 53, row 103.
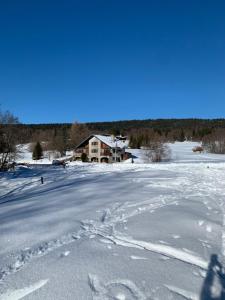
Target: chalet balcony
column 80, row 151
column 105, row 152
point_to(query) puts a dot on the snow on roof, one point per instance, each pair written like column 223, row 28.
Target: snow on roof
column 112, row 141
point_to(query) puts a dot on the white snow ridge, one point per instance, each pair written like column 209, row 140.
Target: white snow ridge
column 21, row 293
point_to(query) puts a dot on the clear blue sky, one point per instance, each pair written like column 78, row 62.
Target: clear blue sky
column 93, row 60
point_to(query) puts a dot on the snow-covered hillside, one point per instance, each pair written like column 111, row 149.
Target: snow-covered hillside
column 24, row 155
column 120, row 231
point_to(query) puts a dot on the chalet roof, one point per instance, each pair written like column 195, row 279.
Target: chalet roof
column 108, row 140
column 112, row 142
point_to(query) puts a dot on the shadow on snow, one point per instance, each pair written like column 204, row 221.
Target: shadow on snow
column 214, row 284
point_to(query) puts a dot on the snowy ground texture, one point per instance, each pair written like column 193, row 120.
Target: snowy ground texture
column 121, row 231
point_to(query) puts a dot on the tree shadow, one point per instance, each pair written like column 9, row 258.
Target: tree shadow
column 214, row 284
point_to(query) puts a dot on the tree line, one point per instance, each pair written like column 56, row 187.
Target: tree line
column 141, row 133
column 193, row 128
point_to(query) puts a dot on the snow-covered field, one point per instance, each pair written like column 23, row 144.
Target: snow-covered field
column 120, row 231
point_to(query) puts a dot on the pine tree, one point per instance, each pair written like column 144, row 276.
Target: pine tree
column 84, row 157
column 37, row 152
column 182, row 136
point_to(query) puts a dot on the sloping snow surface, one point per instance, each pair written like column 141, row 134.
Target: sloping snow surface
column 119, row 231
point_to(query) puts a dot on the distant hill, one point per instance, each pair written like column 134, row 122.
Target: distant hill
column 163, row 124
column 194, row 128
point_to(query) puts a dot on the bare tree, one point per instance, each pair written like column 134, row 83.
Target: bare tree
column 58, row 143
column 157, row 151
column 215, row 142
column 78, row 133
column 7, row 138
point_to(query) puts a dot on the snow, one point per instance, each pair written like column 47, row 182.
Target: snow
column 115, row 231
column 111, row 141
column 21, row 293
column 185, row 294
column 24, row 156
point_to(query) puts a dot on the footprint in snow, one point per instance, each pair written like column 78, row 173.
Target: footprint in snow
column 119, row 289
column 163, row 242
column 176, row 236
column 208, row 228
column 64, row 254
column 162, row 257
column 137, row 257
column 200, row 273
column 200, row 222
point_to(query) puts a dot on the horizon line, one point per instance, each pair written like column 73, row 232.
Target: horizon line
column 129, row 120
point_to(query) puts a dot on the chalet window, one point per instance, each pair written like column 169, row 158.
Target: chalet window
column 94, row 150
column 94, row 143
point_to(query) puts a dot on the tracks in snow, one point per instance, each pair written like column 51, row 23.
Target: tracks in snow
column 106, row 230
column 119, row 289
column 105, row 227
column 29, row 254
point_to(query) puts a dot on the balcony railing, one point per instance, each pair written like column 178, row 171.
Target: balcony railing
column 79, row 151
column 106, row 152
